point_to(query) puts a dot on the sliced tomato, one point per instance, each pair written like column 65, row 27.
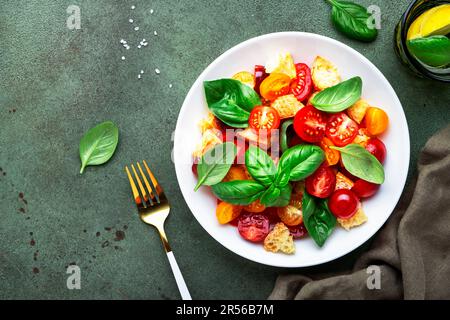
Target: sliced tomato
column 253, row 227
column 265, row 118
column 274, row 86
column 301, row 87
column 343, row 203
column 259, row 75
column 321, row 183
column 299, row 231
column 376, row 147
column 310, row 124
column 331, row 156
column 341, row 129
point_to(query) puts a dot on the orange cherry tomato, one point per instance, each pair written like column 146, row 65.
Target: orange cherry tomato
column 376, row 120
column 274, row 86
column 235, row 173
column 264, row 118
column 255, row 207
column 331, row 156
column 246, row 78
column 227, row 212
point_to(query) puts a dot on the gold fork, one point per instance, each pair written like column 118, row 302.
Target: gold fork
column 153, row 209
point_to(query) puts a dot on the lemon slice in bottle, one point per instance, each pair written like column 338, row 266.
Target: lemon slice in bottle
column 435, row 21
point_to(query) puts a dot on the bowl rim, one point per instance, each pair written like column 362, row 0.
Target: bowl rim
column 268, row 36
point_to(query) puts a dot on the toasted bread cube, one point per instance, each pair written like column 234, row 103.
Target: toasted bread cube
column 257, row 138
column 324, row 74
column 342, row 182
column 362, row 137
column 210, row 122
column 280, row 239
column 358, row 110
column 358, row 219
column 283, row 63
column 210, row 138
column 287, row 106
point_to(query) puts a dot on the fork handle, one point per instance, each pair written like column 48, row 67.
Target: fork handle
column 185, row 295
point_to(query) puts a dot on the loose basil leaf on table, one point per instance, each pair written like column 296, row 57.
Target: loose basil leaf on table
column 301, row 161
column 318, row 219
column 361, row 163
column 231, row 101
column 260, row 165
column 352, row 20
column 98, row 144
column 433, row 51
column 277, row 196
column 215, row 164
column 339, row 97
column 283, row 137
column 239, row 192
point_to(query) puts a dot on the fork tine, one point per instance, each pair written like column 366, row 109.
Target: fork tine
column 137, row 197
column 158, row 188
column 149, row 189
column 141, row 187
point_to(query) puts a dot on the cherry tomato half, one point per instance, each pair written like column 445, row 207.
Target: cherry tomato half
column 376, row 147
column 310, row 124
column 331, row 156
column 341, row 129
column 365, row 189
column 253, row 227
column 343, row 203
column 299, row 231
column 259, row 75
column 274, row 86
column 321, row 183
column 301, row 87
column 266, row 118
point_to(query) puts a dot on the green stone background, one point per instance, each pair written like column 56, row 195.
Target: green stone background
column 62, row 82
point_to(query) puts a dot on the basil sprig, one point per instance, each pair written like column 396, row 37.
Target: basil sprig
column 271, row 185
column 339, row 97
column 318, row 219
column 352, row 20
column 284, row 143
column 361, row 163
column 231, row 101
column 215, row 164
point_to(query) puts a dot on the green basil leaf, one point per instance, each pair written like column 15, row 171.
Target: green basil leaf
column 284, row 143
column 352, row 20
column 239, row 192
column 98, row 144
column 301, row 161
column 277, row 197
column 433, row 51
column 361, row 163
column 282, row 178
column 260, row 165
column 231, row 101
column 339, row 97
column 318, row 219
column 215, row 164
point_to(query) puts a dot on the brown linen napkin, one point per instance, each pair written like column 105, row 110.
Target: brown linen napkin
column 412, row 250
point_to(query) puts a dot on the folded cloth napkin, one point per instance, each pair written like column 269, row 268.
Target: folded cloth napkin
column 412, row 250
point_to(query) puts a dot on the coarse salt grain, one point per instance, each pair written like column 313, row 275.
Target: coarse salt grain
column 142, row 71
column 139, row 76
column 123, row 57
column 157, row 71
column 139, row 46
column 155, row 33
column 170, row 86
column 133, row 7
column 151, row 11
column 131, row 20
column 136, row 28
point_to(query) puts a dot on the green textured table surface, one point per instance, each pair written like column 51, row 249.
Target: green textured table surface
column 56, row 83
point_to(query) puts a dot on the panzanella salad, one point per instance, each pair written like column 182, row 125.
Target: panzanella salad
column 290, row 151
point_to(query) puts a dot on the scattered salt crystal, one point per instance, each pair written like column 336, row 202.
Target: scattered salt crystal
column 131, row 20
column 155, row 33
column 133, row 7
column 142, row 71
column 157, row 71
column 136, row 28
column 145, row 44
column 139, row 76
column 139, row 46
column 151, row 11
column 122, row 41
column 123, row 57
column 170, row 86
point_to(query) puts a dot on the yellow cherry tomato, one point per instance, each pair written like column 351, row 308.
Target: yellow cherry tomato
column 227, row 212
column 377, row 121
column 274, row 86
column 246, row 78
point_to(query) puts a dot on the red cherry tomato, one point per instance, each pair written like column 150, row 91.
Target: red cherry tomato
column 298, row 231
column 260, row 75
column 253, row 227
column 301, row 87
column 321, row 183
column 265, row 118
column 343, row 203
column 365, row 189
column 310, row 124
column 376, row 147
column 341, row 129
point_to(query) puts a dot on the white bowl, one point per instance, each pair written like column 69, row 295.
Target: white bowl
column 304, row 47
